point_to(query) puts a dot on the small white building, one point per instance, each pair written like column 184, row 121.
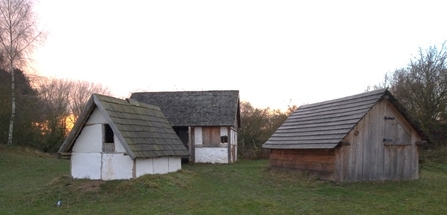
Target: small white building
column 206, row 121
column 121, row 139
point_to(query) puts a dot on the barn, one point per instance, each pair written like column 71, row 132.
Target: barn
column 206, row 121
column 121, row 139
column 364, row 137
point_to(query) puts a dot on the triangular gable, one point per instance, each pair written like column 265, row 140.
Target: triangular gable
column 142, row 129
column 323, row 125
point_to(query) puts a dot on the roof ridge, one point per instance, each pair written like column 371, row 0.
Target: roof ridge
column 185, row 91
column 341, row 99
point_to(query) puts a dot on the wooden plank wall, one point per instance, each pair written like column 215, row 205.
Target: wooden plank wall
column 316, row 161
column 367, row 158
column 211, row 136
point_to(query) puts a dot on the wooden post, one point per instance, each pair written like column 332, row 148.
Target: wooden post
column 229, row 145
column 191, row 145
column 134, row 168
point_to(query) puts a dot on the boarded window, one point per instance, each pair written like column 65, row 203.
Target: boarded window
column 211, row 136
column 395, row 133
column 108, row 141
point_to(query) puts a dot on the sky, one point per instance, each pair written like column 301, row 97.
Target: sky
column 276, row 53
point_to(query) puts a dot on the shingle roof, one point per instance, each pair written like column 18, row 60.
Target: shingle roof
column 142, row 129
column 323, row 125
column 196, row 108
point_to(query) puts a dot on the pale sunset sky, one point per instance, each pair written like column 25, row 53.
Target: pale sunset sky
column 275, row 52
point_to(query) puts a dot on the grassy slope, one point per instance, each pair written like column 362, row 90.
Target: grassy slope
column 31, row 183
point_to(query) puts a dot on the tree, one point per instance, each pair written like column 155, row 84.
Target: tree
column 62, row 101
column 81, row 92
column 18, row 34
column 422, row 89
column 27, row 104
column 54, row 95
column 257, row 126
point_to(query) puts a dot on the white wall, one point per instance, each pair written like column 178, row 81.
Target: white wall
column 116, row 166
column 198, row 136
column 175, row 164
column 211, row 155
column 144, row 166
column 161, row 165
column 89, row 162
column 86, row 165
column 157, row 165
column 118, row 146
column 223, row 131
column 101, row 166
column 214, row 154
column 97, row 117
column 89, row 140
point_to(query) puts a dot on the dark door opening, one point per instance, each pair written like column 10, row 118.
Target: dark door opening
column 182, row 133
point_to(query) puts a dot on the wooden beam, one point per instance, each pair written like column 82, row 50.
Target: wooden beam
column 191, row 143
column 421, row 142
column 229, row 144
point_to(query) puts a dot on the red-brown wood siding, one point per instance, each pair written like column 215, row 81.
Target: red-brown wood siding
column 319, row 162
column 367, row 157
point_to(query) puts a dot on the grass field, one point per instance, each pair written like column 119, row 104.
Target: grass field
column 32, row 183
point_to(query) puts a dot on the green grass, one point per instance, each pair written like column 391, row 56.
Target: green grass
column 32, row 182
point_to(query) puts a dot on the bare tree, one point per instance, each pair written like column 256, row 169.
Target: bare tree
column 54, row 95
column 62, row 102
column 80, row 93
column 18, row 35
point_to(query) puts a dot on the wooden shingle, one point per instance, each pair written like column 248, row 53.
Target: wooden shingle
column 195, row 108
column 142, row 129
column 323, row 125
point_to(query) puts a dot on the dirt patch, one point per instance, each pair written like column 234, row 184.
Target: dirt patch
column 82, row 185
column 90, row 185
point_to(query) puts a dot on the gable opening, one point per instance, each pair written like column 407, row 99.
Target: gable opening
column 182, row 133
column 108, row 140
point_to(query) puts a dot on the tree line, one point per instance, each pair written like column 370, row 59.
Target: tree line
column 421, row 87
column 38, row 112
column 46, row 108
column 258, row 124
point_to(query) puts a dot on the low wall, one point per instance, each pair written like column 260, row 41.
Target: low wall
column 211, row 155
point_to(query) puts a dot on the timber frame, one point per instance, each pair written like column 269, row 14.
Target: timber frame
column 210, row 118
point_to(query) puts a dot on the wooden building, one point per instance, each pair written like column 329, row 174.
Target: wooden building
column 206, row 121
column 365, row 137
column 121, row 139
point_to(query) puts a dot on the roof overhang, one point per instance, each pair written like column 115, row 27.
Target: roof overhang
column 303, row 146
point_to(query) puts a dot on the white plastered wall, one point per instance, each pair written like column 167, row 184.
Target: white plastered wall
column 116, row 166
column 86, row 154
column 211, row 155
column 223, row 131
column 87, row 159
column 157, row 165
column 198, row 136
column 86, row 165
column 119, row 148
